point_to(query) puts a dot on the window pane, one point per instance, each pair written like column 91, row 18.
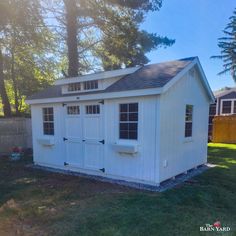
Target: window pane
column 124, row 135
column 226, row 107
column 133, row 107
column 234, row 107
column 73, row 110
column 133, row 126
column 123, row 117
column 124, row 126
column 133, row 116
column 188, row 129
column 133, row 135
column 123, row 107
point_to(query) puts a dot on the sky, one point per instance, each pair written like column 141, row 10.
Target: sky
column 195, row 25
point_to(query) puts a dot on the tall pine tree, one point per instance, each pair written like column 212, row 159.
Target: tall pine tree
column 227, row 45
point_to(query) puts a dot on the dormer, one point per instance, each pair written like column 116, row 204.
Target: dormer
column 93, row 82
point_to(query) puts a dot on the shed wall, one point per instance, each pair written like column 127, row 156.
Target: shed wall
column 178, row 154
column 140, row 167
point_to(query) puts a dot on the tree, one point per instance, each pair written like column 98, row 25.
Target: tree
column 106, row 32
column 227, row 45
column 27, row 44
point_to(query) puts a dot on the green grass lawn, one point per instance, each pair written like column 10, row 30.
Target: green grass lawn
column 34, row 202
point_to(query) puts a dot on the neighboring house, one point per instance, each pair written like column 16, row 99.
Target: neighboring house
column 142, row 124
column 225, row 104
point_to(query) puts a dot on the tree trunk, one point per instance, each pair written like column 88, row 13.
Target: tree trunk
column 72, row 44
column 3, row 93
column 13, row 77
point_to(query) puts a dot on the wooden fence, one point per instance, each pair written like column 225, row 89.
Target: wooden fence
column 224, row 129
column 15, row 132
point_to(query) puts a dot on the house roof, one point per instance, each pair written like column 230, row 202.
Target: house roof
column 149, row 76
column 224, row 91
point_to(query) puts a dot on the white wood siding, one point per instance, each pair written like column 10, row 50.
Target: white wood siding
column 140, row 166
column 178, row 154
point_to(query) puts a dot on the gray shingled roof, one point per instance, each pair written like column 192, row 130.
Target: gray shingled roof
column 149, row 76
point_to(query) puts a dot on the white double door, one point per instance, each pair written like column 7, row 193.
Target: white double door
column 84, row 135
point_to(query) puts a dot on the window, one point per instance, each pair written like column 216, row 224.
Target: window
column 226, row 107
column 73, row 110
column 189, row 121
column 93, row 109
column 48, row 121
column 234, row 110
column 74, row 87
column 88, row 85
column 129, row 121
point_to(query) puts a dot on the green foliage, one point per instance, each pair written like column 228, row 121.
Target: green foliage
column 28, row 49
column 109, row 35
column 227, row 44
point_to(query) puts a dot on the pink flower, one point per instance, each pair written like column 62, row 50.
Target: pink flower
column 217, row 224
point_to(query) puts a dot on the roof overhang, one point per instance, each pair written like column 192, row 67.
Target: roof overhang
column 98, row 96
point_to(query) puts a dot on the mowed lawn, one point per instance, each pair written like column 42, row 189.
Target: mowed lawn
column 34, row 202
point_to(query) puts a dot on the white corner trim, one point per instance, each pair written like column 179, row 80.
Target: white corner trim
column 98, row 76
column 97, row 96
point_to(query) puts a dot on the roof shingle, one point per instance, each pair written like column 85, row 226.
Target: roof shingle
column 149, row 76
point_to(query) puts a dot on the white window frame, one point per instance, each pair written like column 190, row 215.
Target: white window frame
column 137, row 122
column 51, row 122
column 189, row 138
column 232, row 106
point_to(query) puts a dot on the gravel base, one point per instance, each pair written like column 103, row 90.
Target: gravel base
column 165, row 185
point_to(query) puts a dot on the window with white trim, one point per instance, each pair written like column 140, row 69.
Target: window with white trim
column 73, row 110
column 92, row 84
column 74, row 87
column 128, row 127
column 188, row 121
column 228, row 106
column 48, row 121
column 92, row 109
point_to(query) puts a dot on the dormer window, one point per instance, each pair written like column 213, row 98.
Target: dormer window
column 74, row 87
column 89, row 85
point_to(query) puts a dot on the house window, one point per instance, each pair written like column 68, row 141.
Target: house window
column 226, row 107
column 234, row 107
column 129, row 121
column 89, row 85
column 189, row 121
column 93, row 109
column 74, row 87
column 48, row 121
column 73, row 110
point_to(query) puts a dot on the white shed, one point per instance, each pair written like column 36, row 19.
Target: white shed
column 142, row 124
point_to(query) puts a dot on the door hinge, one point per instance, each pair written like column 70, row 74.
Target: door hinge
column 102, row 141
column 101, row 102
column 65, row 139
column 103, row 170
column 64, row 104
column 66, row 164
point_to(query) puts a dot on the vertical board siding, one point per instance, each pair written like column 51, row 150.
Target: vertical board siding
column 139, row 166
column 49, row 155
column 183, row 154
